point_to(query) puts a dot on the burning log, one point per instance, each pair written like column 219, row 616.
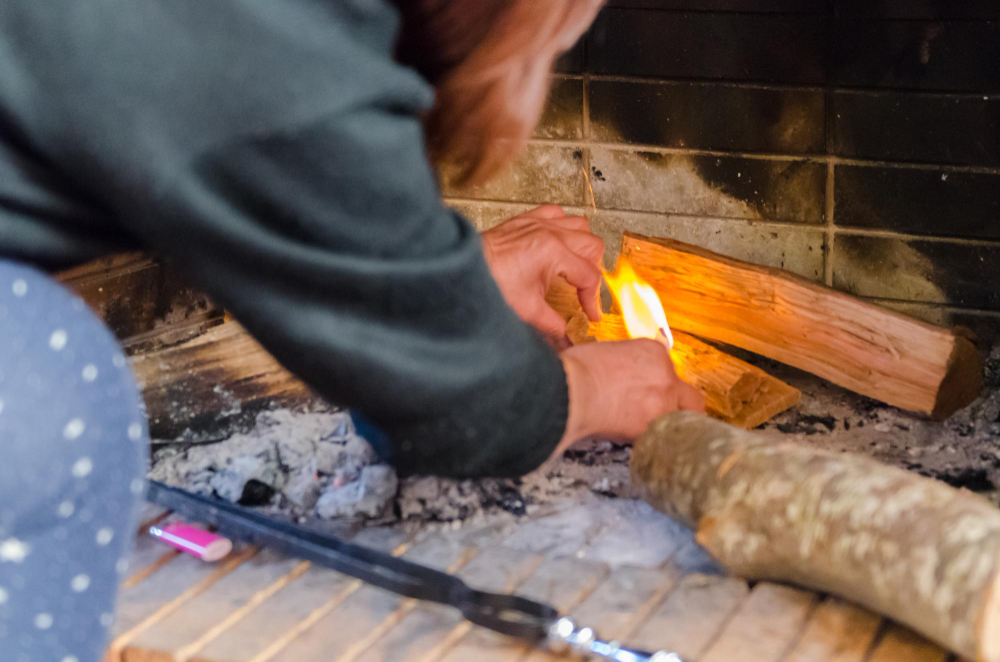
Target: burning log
column 735, row 391
column 917, row 550
column 857, row 345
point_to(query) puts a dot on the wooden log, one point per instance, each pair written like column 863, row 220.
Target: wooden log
column 735, row 391
column 862, row 347
column 218, row 374
column 912, row 548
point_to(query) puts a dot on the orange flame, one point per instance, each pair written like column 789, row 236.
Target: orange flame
column 641, row 308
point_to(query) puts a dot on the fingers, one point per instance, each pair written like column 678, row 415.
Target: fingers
column 573, row 223
column 586, row 245
column 552, row 325
column 585, row 276
column 546, row 211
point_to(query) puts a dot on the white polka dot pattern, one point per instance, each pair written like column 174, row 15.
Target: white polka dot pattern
column 74, row 429
column 13, row 550
column 104, row 536
column 66, row 509
column 89, row 373
column 19, row 287
column 83, row 467
column 43, row 621
column 80, row 583
column 58, row 340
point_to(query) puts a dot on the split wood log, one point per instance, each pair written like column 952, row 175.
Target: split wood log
column 862, row 347
column 221, row 373
column 915, row 549
column 735, row 391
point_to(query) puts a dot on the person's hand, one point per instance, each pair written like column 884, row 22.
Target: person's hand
column 526, row 253
column 617, row 388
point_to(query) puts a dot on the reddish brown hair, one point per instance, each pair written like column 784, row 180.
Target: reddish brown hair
column 490, row 62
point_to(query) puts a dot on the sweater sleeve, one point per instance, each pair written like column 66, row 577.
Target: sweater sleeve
column 329, row 242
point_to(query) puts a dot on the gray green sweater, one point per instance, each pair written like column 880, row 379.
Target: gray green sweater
column 272, row 149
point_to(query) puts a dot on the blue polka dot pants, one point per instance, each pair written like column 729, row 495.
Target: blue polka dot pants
column 73, row 445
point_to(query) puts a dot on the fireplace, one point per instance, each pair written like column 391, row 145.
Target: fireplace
column 854, row 144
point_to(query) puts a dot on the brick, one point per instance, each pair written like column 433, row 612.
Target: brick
column 896, row 126
column 927, row 271
column 798, row 250
column 758, row 47
column 573, row 60
column 926, row 55
column 543, row 174
column 745, row 6
column 928, row 202
column 563, row 114
column 708, row 116
column 926, row 9
column 717, row 186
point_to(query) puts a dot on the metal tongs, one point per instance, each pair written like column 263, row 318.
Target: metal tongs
column 513, row 615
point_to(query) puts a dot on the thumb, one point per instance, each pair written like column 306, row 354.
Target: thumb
column 690, row 398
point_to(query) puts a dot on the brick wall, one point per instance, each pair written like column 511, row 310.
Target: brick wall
column 855, row 142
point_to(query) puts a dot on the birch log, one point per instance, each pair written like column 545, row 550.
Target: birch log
column 862, row 347
column 909, row 547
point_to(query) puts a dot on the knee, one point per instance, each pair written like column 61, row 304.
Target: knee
column 69, row 407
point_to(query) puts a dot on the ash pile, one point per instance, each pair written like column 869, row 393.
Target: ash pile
column 312, row 464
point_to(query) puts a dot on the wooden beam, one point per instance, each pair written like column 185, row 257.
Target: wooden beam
column 912, row 548
column 862, row 347
column 735, row 391
column 223, row 372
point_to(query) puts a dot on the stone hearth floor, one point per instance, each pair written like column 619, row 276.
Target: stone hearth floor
column 616, row 564
column 584, row 546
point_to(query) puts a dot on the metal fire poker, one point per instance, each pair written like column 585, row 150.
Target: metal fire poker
column 535, row 622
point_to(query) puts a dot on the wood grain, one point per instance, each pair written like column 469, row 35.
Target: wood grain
column 735, row 391
column 862, row 347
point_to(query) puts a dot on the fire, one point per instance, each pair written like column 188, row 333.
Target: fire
column 641, row 308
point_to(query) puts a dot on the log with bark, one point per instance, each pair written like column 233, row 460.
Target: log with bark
column 735, row 391
column 915, row 549
column 862, row 347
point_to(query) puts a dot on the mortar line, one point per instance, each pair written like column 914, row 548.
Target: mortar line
column 585, row 100
column 755, row 222
column 818, row 599
column 793, row 87
column 830, row 236
column 769, row 156
column 142, row 574
column 121, row 642
column 907, row 236
column 461, row 630
column 282, row 642
column 185, row 653
column 759, row 222
column 528, row 650
column 405, row 608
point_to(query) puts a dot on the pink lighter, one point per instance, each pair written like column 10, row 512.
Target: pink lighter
column 194, row 541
